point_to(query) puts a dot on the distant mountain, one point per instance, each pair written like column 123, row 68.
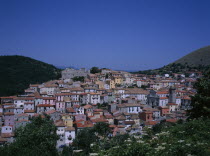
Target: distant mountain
column 17, row 72
column 61, row 67
column 64, row 67
column 196, row 58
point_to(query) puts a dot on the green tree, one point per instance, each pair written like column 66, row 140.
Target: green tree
column 78, row 78
column 84, row 139
column 36, row 138
column 94, row 70
column 102, row 128
column 201, row 101
column 67, row 151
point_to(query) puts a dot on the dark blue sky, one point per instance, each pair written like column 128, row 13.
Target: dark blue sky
column 118, row 34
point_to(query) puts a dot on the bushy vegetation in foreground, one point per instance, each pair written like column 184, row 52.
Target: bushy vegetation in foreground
column 36, row 138
column 183, row 139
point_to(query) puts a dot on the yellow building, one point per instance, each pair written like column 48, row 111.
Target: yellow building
column 68, row 120
column 118, row 79
column 100, row 84
column 111, row 83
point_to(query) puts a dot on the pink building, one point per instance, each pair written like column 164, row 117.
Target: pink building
column 49, row 100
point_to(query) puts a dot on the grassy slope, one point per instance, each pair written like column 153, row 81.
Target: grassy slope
column 196, row 58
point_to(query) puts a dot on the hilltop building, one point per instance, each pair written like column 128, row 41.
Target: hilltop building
column 70, row 73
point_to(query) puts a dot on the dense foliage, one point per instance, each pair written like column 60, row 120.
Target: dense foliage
column 175, row 68
column 17, row 72
column 36, row 138
column 201, row 101
column 87, row 136
column 190, row 138
column 79, row 78
column 94, row 70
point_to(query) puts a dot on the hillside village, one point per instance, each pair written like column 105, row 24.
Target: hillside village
column 127, row 102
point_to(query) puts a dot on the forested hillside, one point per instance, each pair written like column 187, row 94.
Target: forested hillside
column 17, row 72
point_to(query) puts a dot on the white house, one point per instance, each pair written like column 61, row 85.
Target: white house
column 69, row 135
column 6, row 129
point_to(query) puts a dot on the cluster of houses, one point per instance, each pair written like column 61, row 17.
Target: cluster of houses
column 127, row 102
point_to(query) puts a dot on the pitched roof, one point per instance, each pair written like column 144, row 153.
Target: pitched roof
column 9, row 113
column 23, row 114
column 151, row 122
column 171, row 104
column 87, row 106
column 22, row 121
column 50, row 112
column 136, row 91
column 29, row 111
column 70, row 110
column 70, row 129
column 59, row 123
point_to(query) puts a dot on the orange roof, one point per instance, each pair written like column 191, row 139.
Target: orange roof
column 8, row 97
column 163, row 98
column 70, row 110
column 45, row 105
column 171, row 120
column 151, row 122
column 108, row 116
column 50, row 111
column 7, row 104
column 98, row 110
column 29, row 111
column 112, row 126
column 86, row 124
column 99, row 120
column 162, row 92
column 11, row 107
column 22, row 121
column 23, row 114
column 48, row 98
column 87, row 106
column 9, row 113
column 24, row 98
column 76, row 106
column 59, row 123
